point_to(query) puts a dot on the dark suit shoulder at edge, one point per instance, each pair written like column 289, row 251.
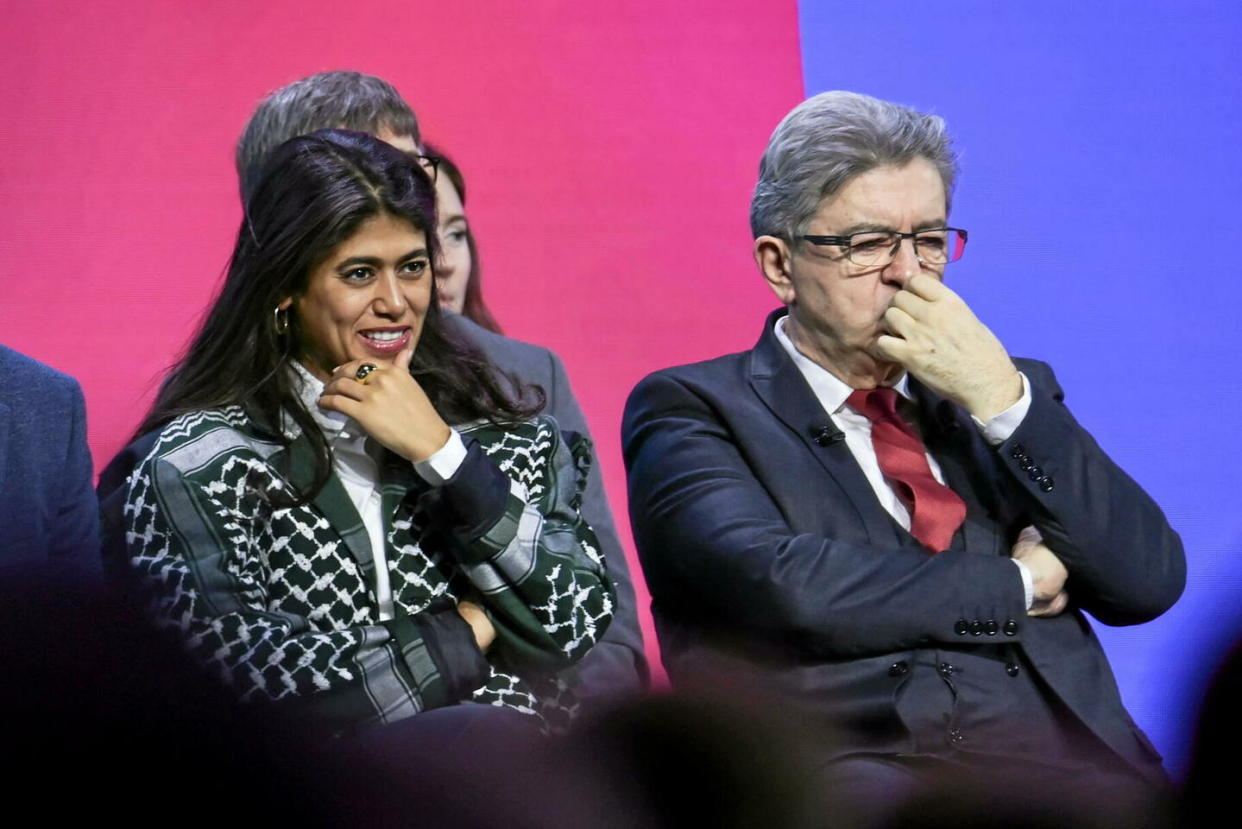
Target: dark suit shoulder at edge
column 703, row 370
column 20, row 370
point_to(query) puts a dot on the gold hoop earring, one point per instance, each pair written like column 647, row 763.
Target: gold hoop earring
column 280, row 321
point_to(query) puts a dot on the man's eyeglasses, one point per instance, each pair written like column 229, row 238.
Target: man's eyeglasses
column 876, row 248
column 430, row 165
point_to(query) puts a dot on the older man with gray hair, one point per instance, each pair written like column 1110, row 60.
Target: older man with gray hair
column 876, row 513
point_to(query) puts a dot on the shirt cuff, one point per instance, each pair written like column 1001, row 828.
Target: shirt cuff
column 1032, row 536
column 444, row 463
column 997, row 430
column 1028, row 583
column 476, row 497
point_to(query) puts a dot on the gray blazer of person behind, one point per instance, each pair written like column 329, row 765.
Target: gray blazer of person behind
column 617, row 665
column 48, row 516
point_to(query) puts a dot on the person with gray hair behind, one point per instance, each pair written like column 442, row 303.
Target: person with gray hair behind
column 879, row 519
column 616, row 666
column 329, row 100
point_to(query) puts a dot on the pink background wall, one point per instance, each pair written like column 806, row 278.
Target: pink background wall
column 609, row 150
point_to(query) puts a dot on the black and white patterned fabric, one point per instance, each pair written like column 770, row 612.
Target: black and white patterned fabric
column 278, row 600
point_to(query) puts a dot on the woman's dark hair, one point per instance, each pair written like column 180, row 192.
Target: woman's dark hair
column 474, row 308
column 315, row 192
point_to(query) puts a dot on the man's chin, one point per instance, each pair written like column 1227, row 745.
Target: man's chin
column 883, row 369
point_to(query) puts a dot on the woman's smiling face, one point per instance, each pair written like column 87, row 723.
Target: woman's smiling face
column 367, row 299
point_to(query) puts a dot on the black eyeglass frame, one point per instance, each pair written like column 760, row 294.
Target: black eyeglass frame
column 846, row 242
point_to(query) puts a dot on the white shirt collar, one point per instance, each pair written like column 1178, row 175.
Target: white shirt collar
column 309, row 388
column 831, row 391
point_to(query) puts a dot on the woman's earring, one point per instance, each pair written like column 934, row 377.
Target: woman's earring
column 280, row 320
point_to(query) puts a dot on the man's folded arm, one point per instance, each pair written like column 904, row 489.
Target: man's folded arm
column 710, row 535
column 1126, row 564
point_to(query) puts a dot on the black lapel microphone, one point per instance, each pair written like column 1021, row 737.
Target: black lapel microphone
column 826, row 434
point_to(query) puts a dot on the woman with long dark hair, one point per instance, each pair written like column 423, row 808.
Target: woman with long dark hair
column 343, row 506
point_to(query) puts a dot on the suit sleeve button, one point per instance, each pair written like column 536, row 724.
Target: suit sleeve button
column 990, row 627
column 1046, row 483
column 961, row 627
column 1035, row 473
column 976, row 628
column 1025, row 463
column 1011, row 669
column 1017, row 452
column 1010, row 627
column 898, row 668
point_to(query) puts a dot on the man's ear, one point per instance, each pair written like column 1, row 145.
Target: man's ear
column 775, row 262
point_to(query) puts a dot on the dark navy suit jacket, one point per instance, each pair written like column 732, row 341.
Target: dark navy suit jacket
column 764, row 545
column 48, row 514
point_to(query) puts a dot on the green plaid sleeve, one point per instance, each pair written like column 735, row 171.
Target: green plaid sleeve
column 538, row 565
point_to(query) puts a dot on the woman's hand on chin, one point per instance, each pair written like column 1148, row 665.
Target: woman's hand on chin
column 389, row 404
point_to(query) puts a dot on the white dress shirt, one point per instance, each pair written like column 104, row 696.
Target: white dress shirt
column 833, row 394
column 355, row 462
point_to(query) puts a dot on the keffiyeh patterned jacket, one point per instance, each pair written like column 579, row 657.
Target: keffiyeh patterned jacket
column 277, row 599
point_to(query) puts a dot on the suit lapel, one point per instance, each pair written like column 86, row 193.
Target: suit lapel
column 783, row 389
column 332, row 502
column 398, row 482
column 952, row 438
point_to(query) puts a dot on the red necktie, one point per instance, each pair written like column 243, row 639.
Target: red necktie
column 935, row 510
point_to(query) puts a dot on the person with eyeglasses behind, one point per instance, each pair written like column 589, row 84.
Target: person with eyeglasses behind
column 880, row 518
